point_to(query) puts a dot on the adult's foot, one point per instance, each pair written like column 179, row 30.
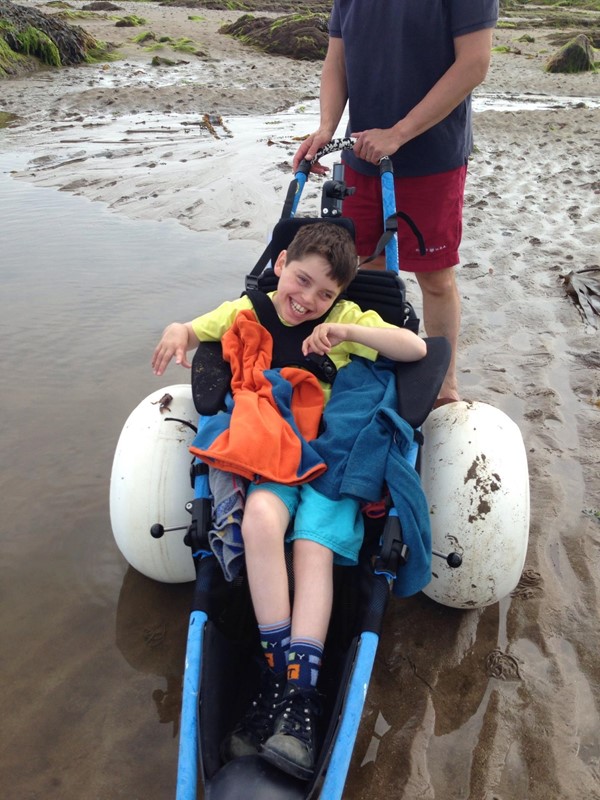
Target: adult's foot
column 443, row 401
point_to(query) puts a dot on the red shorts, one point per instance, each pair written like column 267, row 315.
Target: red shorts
column 434, row 203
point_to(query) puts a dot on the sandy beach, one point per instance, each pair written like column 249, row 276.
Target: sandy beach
column 208, row 143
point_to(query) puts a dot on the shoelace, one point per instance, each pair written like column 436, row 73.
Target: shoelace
column 259, row 717
column 298, row 717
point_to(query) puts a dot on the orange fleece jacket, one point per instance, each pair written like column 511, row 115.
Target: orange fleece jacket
column 275, row 413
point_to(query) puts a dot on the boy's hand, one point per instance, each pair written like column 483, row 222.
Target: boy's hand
column 174, row 343
column 324, row 337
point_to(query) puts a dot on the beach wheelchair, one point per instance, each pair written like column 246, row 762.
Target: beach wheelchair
column 468, row 458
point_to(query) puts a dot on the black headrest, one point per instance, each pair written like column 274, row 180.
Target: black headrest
column 285, row 230
column 381, row 290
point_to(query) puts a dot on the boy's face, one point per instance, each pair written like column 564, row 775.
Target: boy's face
column 304, row 291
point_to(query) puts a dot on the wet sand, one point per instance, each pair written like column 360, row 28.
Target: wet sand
column 501, row 703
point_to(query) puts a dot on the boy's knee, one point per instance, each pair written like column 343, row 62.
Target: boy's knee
column 264, row 519
column 256, row 531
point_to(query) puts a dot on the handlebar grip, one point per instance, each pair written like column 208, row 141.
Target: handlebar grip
column 334, row 146
column 304, row 167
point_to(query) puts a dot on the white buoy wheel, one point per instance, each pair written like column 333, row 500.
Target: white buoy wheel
column 475, row 477
column 150, row 483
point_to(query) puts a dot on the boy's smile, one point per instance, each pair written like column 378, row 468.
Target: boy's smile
column 305, row 290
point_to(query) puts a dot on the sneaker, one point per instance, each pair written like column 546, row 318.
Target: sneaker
column 257, row 724
column 292, row 747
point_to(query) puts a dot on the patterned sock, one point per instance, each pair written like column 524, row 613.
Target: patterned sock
column 275, row 642
column 304, row 661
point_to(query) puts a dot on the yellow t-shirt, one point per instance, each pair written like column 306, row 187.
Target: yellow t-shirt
column 212, row 326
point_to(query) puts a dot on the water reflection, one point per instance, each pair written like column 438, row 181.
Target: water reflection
column 428, row 700
column 151, row 632
column 85, row 295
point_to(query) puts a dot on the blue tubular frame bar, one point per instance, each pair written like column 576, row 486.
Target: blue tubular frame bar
column 301, row 182
column 187, row 771
column 337, row 769
column 188, row 765
column 386, row 170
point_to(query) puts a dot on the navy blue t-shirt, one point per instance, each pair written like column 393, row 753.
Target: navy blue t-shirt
column 395, row 51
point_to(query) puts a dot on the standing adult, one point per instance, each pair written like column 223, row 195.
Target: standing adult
column 407, row 70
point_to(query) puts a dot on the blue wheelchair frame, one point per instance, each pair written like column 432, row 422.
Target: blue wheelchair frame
column 329, row 784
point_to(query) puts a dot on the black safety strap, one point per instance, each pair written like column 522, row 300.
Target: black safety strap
column 266, row 256
column 287, row 339
column 390, row 228
column 253, row 276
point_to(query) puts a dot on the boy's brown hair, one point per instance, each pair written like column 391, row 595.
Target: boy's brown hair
column 331, row 242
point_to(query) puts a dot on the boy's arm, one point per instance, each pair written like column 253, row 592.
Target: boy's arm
column 398, row 344
column 177, row 339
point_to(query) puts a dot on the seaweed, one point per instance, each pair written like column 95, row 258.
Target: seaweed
column 32, row 41
column 130, row 21
column 28, row 36
column 9, row 59
column 299, row 36
column 584, row 289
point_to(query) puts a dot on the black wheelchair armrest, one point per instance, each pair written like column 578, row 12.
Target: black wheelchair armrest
column 211, row 378
column 419, row 382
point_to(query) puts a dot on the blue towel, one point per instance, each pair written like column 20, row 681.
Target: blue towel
column 364, row 444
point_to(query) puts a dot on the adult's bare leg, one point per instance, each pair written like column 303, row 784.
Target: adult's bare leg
column 441, row 317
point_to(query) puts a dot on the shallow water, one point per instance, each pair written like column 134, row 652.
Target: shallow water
column 92, row 652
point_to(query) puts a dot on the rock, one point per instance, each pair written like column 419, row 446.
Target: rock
column 576, row 56
column 161, row 61
column 101, row 5
column 255, row 6
column 59, row 42
column 300, row 36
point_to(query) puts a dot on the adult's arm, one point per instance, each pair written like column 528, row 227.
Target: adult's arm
column 473, row 52
column 332, row 98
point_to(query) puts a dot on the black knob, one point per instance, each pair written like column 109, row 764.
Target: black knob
column 454, row 560
column 329, row 369
column 157, row 531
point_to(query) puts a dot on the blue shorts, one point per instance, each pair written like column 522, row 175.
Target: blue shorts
column 335, row 524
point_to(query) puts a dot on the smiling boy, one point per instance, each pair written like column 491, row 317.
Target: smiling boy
column 318, row 265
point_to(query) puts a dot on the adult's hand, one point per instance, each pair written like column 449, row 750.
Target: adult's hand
column 308, row 150
column 375, row 144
